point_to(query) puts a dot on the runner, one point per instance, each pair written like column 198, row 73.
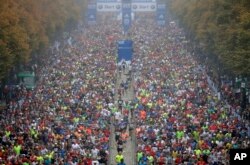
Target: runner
column 119, row 157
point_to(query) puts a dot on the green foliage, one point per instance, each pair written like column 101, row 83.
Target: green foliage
column 28, row 26
column 223, row 26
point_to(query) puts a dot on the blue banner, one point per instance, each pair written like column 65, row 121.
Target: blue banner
column 91, row 13
column 161, row 14
column 125, row 50
column 126, row 16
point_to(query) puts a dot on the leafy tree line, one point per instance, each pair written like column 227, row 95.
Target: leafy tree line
column 27, row 27
column 220, row 27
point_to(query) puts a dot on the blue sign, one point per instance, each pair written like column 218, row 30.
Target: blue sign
column 91, row 13
column 126, row 16
column 161, row 14
column 125, row 50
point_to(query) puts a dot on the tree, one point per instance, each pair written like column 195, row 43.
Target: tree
column 28, row 27
column 223, row 26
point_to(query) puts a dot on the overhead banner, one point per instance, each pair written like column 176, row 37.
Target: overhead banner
column 91, row 13
column 109, row 5
column 126, row 16
column 116, row 5
column 161, row 14
column 143, row 5
column 108, row 1
column 125, row 51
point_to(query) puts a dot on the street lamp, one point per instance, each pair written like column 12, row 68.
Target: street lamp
column 243, row 94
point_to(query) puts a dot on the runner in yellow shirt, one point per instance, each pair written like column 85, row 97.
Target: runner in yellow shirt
column 119, row 157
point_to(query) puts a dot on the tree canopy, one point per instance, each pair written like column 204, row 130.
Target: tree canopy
column 28, row 26
column 222, row 27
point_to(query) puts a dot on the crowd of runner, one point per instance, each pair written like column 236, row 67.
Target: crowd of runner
column 180, row 120
column 66, row 118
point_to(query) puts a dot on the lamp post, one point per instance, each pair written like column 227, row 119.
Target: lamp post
column 243, row 94
column 241, row 82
